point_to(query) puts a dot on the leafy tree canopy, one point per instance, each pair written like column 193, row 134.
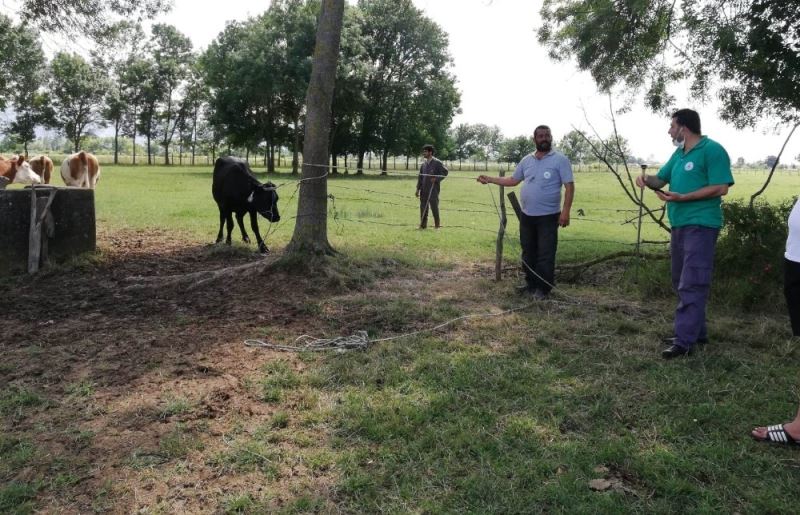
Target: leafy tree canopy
column 747, row 51
column 91, row 18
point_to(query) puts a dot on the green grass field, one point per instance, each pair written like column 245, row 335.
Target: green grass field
column 380, row 212
column 510, row 414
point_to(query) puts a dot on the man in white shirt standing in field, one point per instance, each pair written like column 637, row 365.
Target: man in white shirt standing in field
column 542, row 173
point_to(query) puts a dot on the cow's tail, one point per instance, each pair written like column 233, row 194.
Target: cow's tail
column 86, row 180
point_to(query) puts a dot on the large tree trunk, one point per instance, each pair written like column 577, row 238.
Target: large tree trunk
column 384, row 160
column 311, row 227
column 296, row 144
column 194, row 135
column 116, row 141
column 360, row 163
column 133, row 160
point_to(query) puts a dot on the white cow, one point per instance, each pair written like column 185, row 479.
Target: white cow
column 18, row 170
column 81, row 170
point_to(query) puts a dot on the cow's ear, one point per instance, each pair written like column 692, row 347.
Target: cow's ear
column 20, row 159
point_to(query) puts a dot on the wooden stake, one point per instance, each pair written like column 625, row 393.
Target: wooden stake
column 37, row 238
column 498, row 263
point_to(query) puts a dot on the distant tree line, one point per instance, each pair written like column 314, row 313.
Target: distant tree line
column 394, row 88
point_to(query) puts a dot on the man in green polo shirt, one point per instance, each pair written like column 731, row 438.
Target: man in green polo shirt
column 698, row 174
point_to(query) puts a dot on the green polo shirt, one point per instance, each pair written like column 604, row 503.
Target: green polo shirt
column 707, row 164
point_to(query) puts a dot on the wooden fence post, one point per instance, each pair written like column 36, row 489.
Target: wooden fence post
column 498, row 263
column 37, row 239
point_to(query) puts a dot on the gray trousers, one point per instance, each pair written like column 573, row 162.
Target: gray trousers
column 429, row 201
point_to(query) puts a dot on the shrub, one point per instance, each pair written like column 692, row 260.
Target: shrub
column 749, row 263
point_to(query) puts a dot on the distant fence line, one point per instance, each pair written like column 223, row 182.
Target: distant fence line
column 394, row 163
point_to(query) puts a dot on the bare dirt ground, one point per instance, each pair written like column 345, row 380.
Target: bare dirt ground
column 104, row 362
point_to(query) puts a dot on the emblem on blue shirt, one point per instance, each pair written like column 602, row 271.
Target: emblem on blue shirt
column 546, row 175
column 689, row 166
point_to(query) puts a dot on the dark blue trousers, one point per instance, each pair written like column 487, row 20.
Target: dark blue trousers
column 538, row 236
column 692, row 250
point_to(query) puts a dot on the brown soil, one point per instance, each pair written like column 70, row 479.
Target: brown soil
column 75, row 327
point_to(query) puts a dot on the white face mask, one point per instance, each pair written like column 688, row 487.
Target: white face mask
column 679, row 140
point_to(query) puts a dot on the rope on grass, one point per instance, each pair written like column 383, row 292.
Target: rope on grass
column 360, row 339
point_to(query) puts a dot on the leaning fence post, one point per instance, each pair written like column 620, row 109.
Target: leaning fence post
column 498, row 264
column 37, row 239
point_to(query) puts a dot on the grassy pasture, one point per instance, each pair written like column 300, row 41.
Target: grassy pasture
column 511, row 414
column 381, row 212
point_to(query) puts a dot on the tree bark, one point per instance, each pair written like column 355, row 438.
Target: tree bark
column 296, row 144
column 311, row 227
column 360, row 163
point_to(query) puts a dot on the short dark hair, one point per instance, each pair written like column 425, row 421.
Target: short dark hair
column 429, row 147
column 541, row 127
column 689, row 119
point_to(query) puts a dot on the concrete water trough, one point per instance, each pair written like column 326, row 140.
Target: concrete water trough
column 73, row 225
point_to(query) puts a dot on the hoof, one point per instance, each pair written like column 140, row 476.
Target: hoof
column 263, row 249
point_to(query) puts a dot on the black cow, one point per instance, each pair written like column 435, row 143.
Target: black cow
column 236, row 190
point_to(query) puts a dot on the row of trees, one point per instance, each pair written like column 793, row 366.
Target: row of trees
column 247, row 90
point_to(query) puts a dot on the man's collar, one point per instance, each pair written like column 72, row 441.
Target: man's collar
column 700, row 144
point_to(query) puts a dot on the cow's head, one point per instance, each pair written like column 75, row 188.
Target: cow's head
column 265, row 200
column 25, row 174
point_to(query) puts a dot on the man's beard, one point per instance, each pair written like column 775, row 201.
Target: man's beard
column 544, row 146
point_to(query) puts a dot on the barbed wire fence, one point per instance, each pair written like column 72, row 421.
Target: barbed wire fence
column 360, row 339
column 339, row 216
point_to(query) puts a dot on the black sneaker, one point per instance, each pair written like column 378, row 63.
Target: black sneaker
column 674, row 351
column 670, row 340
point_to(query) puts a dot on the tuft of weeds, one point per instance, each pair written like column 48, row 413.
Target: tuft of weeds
column 178, row 443
column 280, row 420
column 85, row 389
column 247, row 456
column 278, row 376
column 15, row 454
column 15, row 401
column 174, row 406
column 18, row 498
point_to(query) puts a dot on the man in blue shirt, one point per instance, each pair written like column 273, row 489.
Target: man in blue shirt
column 542, row 173
column 698, row 174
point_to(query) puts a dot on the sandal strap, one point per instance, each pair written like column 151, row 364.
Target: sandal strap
column 778, row 434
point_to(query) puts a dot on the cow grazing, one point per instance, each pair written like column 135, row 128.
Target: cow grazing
column 42, row 165
column 81, row 170
column 18, row 170
column 236, row 190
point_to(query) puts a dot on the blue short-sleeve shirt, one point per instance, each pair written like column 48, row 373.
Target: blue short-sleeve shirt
column 542, row 180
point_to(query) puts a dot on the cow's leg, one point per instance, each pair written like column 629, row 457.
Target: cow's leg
column 239, row 217
column 221, row 224
column 229, row 220
column 262, row 247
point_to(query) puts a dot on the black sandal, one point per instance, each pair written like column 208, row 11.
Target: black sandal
column 777, row 434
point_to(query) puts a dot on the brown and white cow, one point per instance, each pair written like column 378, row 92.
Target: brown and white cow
column 42, row 165
column 18, row 170
column 81, row 170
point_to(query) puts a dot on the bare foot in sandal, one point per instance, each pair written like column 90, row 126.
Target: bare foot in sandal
column 788, row 433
